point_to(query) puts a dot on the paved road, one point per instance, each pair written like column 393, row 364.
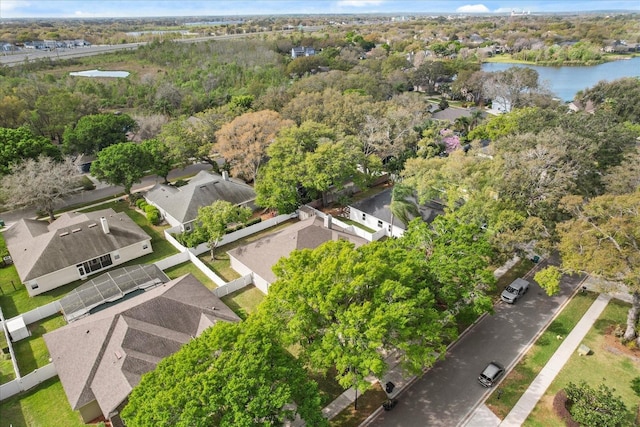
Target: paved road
column 447, row 393
column 102, row 192
column 27, row 55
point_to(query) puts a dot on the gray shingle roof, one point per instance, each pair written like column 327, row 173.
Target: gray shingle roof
column 38, row 248
column 102, row 357
column 182, row 203
column 378, row 207
column 260, row 256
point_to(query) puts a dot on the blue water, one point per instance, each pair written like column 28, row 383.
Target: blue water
column 565, row 82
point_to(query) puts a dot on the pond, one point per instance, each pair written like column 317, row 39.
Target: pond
column 100, row 73
column 565, row 82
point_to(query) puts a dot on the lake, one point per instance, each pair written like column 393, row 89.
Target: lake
column 565, row 82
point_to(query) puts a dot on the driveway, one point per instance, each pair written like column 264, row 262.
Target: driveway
column 448, row 392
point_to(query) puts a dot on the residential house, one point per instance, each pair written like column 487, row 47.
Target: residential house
column 101, row 358
column 299, row 51
column 259, row 257
column 179, row 205
column 374, row 212
column 74, row 246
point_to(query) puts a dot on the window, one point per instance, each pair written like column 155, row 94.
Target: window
column 116, row 257
column 389, row 228
column 95, row 264
column 379, row 223
column 145, row 247
column 364, row 217
column 34, row 286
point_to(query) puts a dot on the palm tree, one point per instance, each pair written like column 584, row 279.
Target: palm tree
column 476, row 115
column 401, row 206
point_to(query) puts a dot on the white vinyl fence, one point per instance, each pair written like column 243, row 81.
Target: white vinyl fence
column 28, row 381
column 233, row 286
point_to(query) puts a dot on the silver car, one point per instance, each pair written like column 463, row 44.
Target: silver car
column 514, row 291
column 490, row 375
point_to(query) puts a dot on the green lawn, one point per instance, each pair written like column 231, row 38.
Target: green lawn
column 43, row 406
column 606, row 364
column 357, row 224
column 32, row 353
column 518, row 380
column 189, row 267
column 244, row 301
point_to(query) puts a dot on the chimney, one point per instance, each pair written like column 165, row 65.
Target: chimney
column 105, row 225
column 225, row 175
column 327, row 222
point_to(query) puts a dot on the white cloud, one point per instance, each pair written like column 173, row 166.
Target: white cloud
column 503, row 10
column 473, row 8
column 359, row 3
column 7, row 5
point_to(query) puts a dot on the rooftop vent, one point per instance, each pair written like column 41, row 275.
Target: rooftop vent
column 64, row 233
column 93, row 224
column 75, row 230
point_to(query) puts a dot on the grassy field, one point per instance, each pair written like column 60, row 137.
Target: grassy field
column 609, row 363
column 357, row 224
column 244, row 301
column 42, row 406
column 189, row 267
column 504, row 397
column 32, row 353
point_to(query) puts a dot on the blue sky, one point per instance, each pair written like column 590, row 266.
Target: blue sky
column 137, row 8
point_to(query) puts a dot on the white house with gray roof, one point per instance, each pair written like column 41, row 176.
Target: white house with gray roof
column 74, row 246
column 101, row 358
column 179, row 205
column 374, row 212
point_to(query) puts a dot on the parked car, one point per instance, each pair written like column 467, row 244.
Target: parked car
column 514, row 291
column 490, row 375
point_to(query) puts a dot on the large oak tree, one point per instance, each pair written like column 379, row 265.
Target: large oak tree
column 233, row 375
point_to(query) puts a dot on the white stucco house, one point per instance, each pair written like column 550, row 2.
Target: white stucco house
column 374, row 212
column 179, row 205
column 74, row 246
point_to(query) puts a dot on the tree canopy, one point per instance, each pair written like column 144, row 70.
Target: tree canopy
column 214, row 220
column 121, row 164
column 40, row 182
column 233, row 375
column 94, row 132
column 345, row 306
column 21, row 144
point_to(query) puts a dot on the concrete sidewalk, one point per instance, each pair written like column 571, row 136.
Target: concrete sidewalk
column 539, row 386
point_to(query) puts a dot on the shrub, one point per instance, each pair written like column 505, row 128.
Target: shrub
column 560, row 408
column 180, row 183
column 153, row 214
column 253, row 221
column 595, row 407
column 141, row 203
column 635, row 385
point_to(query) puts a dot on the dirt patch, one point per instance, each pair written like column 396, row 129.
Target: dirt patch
column 614, row 345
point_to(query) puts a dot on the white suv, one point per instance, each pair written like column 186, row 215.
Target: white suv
column 515, row 290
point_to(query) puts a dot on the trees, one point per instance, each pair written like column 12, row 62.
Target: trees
column 160, row 159
column 601, row 239
column 234, row 374
column 94, row 132
column 243, row 141
column 345, row 307
column 213, row 220
column 40, row 182
column 121, row 164
column 457, row 255
column 509, row 88
column 431, row 72
column 401, row 206
column 21, row 144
